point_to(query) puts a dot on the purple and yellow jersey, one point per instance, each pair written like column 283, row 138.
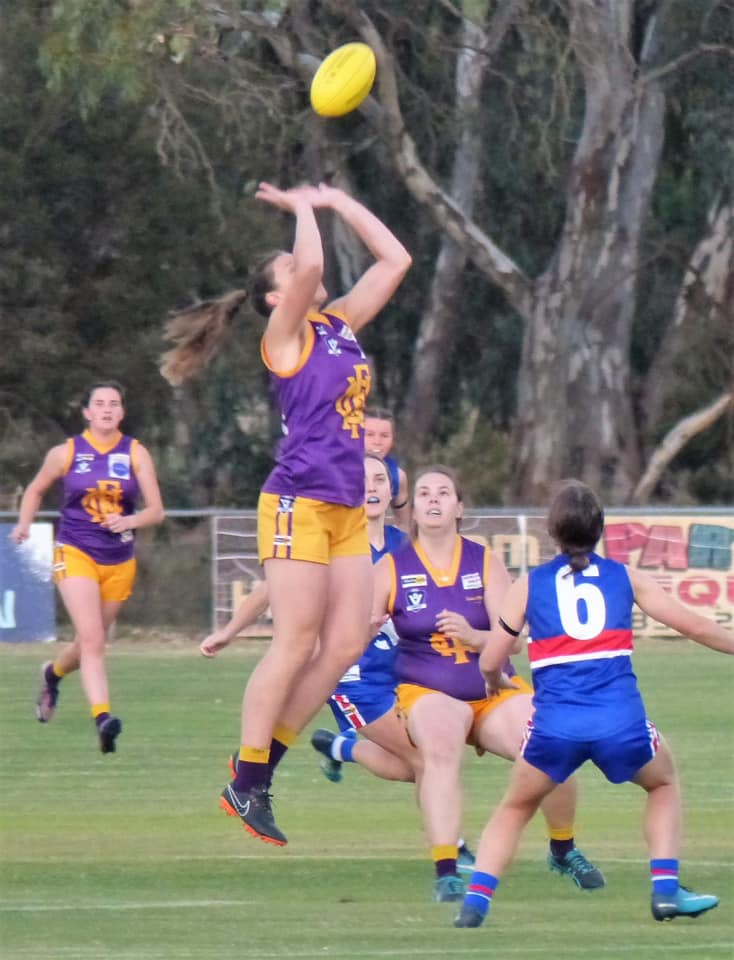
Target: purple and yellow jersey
column 322, row 400
column 375, row 669
column 97, row 482
column 580, row 648
column 418, row 594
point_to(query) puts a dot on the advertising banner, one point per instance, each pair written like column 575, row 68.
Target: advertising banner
column 689, row 556
column 27, row 604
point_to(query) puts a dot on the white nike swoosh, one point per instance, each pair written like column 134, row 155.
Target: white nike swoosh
column 241, row 808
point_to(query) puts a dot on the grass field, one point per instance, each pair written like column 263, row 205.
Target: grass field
column 127, row 857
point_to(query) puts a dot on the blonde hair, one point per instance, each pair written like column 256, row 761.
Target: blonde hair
column 197, row 332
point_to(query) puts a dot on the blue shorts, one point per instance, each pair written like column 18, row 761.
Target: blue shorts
column 618, row 757
column 354, row 710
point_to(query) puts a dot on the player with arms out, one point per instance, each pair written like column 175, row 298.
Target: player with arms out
column 102, row 473
column 312, row 535
column 578, row 608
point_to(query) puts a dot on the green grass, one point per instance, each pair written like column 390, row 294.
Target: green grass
column 127, row 857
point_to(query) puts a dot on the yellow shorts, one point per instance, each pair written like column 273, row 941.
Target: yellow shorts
column 115, row 579
column 298, row 528
column 410, row 693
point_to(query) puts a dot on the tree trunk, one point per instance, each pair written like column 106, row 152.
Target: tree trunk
column 421, row 412
column 574, row 410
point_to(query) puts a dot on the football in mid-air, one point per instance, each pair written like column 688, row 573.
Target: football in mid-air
column 343, row 80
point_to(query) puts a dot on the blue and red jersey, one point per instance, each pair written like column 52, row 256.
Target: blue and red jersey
column 580, row 648
column 98, row 482
column 322, row 401
column 419, row 593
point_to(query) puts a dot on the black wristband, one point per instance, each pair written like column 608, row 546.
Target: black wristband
column 508, row 629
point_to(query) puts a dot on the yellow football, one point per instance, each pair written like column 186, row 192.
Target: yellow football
column 343, row 80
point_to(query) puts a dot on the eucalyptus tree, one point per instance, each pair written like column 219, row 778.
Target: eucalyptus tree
column 562, row 167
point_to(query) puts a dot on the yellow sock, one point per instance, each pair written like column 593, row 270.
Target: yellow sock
column 254, row 754
column 447, row 851
column 98, row 708
column 285, row 735
column 561, row 833
column 57, row 671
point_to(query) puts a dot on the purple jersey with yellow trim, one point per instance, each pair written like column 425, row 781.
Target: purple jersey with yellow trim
column 322, row 400
column 419, row 593
column 580, row 649
column 375, row 669
column 98, row 482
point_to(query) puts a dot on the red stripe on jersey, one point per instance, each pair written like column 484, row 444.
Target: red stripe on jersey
column 608, row 641
column 350, row 711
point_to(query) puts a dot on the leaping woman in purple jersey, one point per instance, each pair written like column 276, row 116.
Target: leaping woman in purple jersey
column 312, row 534
column 102, row 473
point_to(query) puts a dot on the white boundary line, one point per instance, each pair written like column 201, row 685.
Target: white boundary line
column 461, row 949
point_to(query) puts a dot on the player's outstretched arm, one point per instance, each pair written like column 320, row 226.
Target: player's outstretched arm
column 252, row 606
column 392, row 261
column 52, row 470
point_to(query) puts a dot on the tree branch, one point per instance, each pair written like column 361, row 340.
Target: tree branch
column 653, row 76
column 479, row 247
column 676, row 439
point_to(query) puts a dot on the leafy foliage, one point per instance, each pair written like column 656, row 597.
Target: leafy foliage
column 133, row 133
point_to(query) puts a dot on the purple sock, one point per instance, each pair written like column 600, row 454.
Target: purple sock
column 100, row 718
column 445, row 868
column 559, row 848
column 250, row 775
column 50, row 677
column 277, row 751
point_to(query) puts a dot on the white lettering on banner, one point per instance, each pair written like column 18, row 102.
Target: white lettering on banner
column 7, row 611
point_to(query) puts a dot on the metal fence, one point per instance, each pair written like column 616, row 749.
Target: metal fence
column 195, row 568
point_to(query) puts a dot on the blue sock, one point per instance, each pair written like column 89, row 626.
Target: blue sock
column 479, row 891
column 342, row 747
column 664, row 875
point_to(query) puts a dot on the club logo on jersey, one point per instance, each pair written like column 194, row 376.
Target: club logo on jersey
column 347, row 333
column 332, row 345
column 118, row 466
column 416, row 600
column 285, row 504
column 408, row 580
column 83, row 462
column 471, row 581
column 350, row 405
column 322, row 330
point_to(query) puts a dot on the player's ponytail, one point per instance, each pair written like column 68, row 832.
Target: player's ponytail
column 197, row 333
